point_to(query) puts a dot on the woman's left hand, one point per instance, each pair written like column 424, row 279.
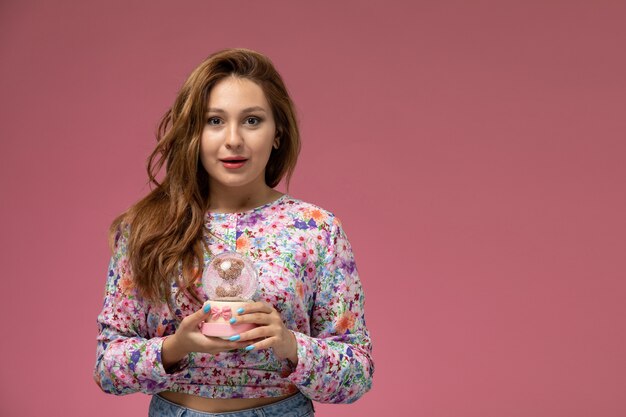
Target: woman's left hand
column 270, row 333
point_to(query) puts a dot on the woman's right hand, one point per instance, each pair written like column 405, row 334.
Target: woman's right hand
column 188, row 338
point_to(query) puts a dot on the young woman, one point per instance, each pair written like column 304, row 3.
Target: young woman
column 227, row 141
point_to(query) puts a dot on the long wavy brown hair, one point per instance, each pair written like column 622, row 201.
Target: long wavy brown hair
column 167, row 225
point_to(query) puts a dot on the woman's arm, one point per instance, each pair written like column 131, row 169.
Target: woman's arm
column 335, row 363
column 128, row 359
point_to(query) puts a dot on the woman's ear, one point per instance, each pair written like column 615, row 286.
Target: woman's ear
column 279, row 133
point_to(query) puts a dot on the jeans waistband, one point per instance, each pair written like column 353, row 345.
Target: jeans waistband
column 295, row 406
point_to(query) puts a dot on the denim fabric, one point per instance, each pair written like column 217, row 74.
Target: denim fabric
column 295, row 406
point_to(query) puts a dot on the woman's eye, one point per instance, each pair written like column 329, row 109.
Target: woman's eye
column 253, row 120
column 213, row 121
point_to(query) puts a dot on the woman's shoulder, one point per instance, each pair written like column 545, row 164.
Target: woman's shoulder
column 308, row 213
column 119, row 232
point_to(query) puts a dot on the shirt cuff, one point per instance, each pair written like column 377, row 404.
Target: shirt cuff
column 304, row 370
column 154, row 360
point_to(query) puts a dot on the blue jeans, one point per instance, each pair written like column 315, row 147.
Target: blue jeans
column 295, row 406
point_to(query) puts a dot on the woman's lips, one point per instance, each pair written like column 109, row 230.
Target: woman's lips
column 234, row 164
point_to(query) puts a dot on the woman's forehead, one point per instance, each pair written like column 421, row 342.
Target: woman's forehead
column 236, row 94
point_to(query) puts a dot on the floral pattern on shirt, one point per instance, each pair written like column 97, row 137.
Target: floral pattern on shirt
column 306, row 271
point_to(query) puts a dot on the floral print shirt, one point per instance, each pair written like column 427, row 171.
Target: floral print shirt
column 306, row 271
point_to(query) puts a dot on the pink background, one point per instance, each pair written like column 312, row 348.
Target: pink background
column 475, row 152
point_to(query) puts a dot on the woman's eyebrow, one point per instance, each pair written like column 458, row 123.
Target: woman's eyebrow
column 246, row 110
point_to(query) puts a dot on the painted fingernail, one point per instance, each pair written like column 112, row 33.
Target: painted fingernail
column 240, row 310
column 207, row 308
column 234, row 338
column 250, row 347
column 232, row 320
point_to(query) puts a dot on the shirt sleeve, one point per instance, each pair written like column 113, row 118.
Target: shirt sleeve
column 335, row 362
column 128, row 360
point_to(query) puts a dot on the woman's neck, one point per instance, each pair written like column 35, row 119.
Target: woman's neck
column 236, row 200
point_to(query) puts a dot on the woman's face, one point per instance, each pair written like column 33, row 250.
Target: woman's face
column 238, row 135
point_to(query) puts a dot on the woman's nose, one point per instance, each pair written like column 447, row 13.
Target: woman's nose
column 233, row 137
